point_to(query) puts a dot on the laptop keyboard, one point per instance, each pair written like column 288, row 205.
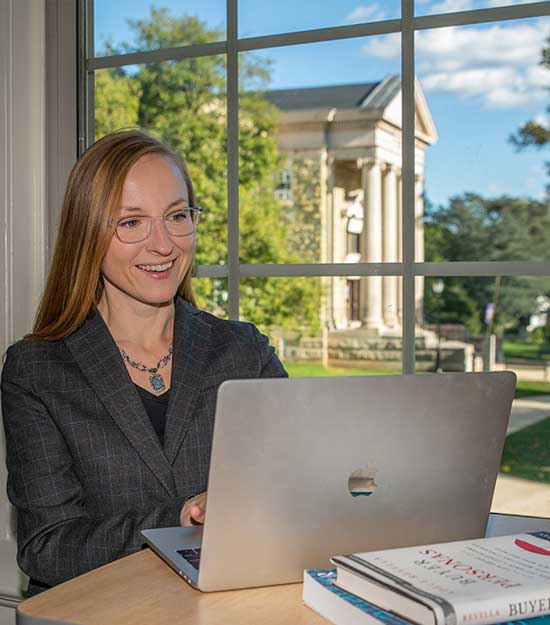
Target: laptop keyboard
column 192, row 556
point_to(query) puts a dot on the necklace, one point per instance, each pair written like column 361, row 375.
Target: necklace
column 156, row 380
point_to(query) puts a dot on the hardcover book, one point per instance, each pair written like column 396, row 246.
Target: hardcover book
column 474, row 582
column 321, row 594
column 340, row 607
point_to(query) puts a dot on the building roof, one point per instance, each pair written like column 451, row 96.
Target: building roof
column 337, row 96
column 363, row 95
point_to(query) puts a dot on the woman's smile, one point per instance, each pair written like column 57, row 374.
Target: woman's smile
column 157, row 271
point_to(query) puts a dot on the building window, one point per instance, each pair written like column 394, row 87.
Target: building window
column 354, row 312
column 284, row 189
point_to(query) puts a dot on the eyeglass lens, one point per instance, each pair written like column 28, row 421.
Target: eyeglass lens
column 178, row 223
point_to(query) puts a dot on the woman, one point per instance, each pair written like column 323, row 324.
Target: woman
column 108, row 405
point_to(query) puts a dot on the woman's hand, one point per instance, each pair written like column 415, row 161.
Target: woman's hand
column 194, row 510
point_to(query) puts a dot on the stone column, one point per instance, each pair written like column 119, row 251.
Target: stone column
column 399, row 245
column 389, row 252
column 419, row 242
column 371, row 248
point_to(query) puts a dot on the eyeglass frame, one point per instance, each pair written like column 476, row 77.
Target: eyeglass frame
column 198, row 210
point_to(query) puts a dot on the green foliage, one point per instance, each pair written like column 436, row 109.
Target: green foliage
column 116, row 102
column 472, row 228
column 184, row 104
column 455, row 305
column 541, row 335
column 533, row 133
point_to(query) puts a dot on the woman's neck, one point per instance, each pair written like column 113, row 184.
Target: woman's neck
column 135, row 323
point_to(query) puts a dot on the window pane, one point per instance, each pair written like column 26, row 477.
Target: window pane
column 269, row 17
column 320, row 159
column 137, row 26
column 458, row 317
column 184, row 104
column 428, row 7
column 211, row 295
column 482, row 197
column 324, row 326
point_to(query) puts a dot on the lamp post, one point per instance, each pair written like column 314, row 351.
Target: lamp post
column 437, row 288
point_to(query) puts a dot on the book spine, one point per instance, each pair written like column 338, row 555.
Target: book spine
column 443, row 610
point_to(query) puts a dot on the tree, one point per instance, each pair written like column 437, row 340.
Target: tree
column 534, row 133
column 472, row 228
column 184, row 104
column 116, row 102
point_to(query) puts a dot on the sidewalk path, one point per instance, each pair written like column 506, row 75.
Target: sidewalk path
column 516, row 496
column 526, row 412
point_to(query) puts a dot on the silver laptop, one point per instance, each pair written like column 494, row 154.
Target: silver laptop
column 303, row 469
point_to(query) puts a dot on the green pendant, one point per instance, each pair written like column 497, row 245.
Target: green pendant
column 157, row 382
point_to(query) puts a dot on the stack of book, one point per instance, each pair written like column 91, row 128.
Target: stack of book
column 472, row 582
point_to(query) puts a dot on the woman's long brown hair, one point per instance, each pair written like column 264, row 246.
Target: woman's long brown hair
column 92, row 200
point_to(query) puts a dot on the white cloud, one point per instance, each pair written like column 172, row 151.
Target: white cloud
column 498, row 64
column 542, row 120
column 451, row 6
column 366, row 13
column 498, row 3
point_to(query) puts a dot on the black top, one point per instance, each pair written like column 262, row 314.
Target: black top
column 156, row 407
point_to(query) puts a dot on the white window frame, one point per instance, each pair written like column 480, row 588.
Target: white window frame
column 408, row 269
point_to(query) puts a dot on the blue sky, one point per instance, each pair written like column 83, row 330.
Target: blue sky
column 480, row 82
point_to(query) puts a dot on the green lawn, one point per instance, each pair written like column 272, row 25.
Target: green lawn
column 528, row 389
column 527, row 453
column 518, row 349
column 316, row 371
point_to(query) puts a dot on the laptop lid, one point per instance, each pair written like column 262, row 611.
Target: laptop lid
column 303, row 469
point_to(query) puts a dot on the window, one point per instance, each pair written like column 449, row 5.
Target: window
column 354, row 313
column 368, row 168
column 284, row 188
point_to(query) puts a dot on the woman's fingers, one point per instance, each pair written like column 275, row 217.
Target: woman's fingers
column 197, row 514
column 194, row 511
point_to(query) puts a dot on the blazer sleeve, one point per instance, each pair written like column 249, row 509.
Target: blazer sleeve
column 270, row 365
column 58, row 536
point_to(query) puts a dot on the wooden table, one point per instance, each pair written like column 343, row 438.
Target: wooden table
column 142, row 589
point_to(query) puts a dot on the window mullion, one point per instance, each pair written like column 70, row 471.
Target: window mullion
column 408, row 198
column 232, row 160
column 86, row 131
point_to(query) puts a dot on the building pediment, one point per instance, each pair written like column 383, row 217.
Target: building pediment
column 351, row 105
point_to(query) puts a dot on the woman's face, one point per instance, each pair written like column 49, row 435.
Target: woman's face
column 153, row 187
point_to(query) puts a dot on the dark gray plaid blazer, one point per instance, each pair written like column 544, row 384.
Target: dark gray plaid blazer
column 86, row 471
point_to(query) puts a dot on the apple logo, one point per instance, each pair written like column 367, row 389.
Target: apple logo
column 361, row 482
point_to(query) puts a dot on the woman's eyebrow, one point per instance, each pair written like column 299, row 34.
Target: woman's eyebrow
column 138, row 208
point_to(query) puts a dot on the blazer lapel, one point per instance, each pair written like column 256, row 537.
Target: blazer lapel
column 191, row 344
column 96, row 353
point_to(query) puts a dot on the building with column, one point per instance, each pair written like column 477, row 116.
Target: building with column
column 350, row 135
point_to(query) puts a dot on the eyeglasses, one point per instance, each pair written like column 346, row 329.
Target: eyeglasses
column 179, row 223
